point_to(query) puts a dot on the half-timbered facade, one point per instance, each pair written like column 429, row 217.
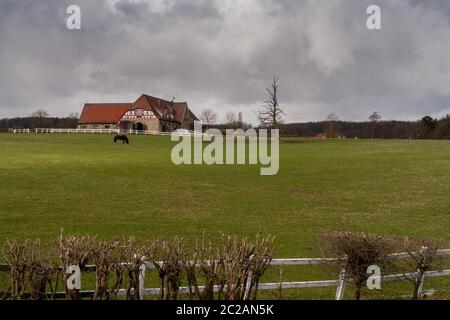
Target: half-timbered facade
column 146, row 113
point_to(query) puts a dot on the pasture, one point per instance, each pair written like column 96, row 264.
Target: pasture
column 86, row 184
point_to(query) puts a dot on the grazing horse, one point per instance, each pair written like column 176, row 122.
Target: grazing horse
column 121, row 137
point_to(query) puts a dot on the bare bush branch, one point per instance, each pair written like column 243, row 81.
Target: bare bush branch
column 358, row 251
column 423, row 256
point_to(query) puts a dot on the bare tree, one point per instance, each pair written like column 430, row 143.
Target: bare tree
column 40, row 116
column 423, row 256
column 74, row 115
column 208, row 117
column 374, row 118
column 271, row 113
column 332, row 120
column 358, row 251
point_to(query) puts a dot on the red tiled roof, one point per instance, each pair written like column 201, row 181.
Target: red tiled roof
column 159, row 106
column 103, row 112
column 180, row 110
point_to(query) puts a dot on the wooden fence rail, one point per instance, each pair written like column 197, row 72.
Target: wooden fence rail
column 339, row 283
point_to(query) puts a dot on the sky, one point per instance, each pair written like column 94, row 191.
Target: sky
column 223, row 54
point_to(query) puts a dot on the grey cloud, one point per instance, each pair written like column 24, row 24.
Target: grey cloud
column 223, row 53
column 131, row 10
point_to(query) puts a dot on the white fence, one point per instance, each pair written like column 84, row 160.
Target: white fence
column 339, row 283
column 102, row 131
column 182, row 132
column 19, row 130
column 76, row 131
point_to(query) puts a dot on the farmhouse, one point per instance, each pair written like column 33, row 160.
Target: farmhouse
column 146, row 113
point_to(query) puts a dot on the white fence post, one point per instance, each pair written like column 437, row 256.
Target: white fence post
column 142, row 281
column 341, row 287
column 248, row 285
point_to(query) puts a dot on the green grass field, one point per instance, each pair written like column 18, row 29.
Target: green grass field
column 88, row 185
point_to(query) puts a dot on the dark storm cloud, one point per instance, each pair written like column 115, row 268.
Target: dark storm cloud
column 222, row 54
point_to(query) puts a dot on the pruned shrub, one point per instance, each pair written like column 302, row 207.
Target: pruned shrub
column 234, row 266
column 206, row 267
column 74, row 251
column 33, row 275
column 230, row 269
column 170, row 261
column 260, row 261
column 133, row 254
column 423, row 256
column 244, row 263
column 356, row 251
column 105, row 257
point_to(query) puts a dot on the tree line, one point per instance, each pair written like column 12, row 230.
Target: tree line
column 271, row 116
column 39, row 119
column 392, row 129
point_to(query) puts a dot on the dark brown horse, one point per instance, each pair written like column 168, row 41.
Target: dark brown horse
column 122, row 138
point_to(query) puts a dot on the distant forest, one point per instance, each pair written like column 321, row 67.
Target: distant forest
column 426, row 128
column 38, row 122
